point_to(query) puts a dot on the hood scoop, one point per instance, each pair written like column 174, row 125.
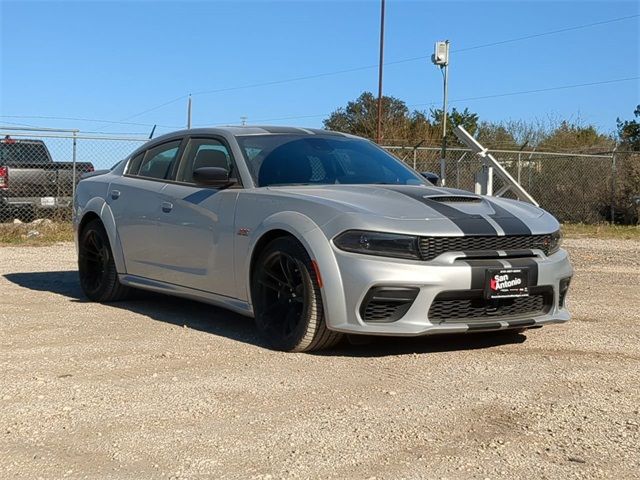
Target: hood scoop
column 455, row 198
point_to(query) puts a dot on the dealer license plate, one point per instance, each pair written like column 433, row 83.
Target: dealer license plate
column 507, row 283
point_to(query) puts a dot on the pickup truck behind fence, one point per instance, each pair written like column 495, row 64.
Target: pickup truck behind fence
column 31, row 183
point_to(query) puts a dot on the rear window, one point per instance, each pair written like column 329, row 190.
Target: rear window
column 22, row 152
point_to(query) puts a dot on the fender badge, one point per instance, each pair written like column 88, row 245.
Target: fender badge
column 243, row 232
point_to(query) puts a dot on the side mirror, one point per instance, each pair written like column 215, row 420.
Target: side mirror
column 211, row 177
column 432, row 177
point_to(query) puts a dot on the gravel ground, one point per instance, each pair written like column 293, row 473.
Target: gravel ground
column 167, row 388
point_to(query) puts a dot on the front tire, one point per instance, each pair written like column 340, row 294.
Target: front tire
column 96, row 268
column 287, row 300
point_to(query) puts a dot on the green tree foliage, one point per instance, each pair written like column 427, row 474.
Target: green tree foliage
column 399, row 124
column 575, row 138
column 467, row 119
column 628, row 169
column 629, row 132
column 497, row 136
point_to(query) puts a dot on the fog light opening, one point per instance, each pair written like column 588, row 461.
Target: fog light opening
column 564, row 288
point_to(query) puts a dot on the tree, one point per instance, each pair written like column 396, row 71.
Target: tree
column 629, row 132
column 628, row 169
column 576, row 138
column 399, row 124
column 496, row 135
column 467, row 119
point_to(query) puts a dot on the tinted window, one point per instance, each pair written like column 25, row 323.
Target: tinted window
column 203, row 153
column 158, row 161
column 134, row 164
column 15, row 151
column 290, row 159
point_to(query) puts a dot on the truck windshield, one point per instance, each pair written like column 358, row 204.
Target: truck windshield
column 321, row 160
column 23, row 152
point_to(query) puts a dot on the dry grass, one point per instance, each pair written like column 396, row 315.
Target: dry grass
column 24, row 233
column 601, row 230
column 18, row 234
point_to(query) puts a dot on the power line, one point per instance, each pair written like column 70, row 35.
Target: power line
column 467, row 99
column 90, row 120
column 550, row 32
column 367, row 67
column 538, row 90
column 181, row 97
column 294, row 117
column 339, row 72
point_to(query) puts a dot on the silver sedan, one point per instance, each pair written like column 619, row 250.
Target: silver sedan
column 315, row 234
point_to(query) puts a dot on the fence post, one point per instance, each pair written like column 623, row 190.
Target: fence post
column 613, row 185
column 73, row 176
column 415, row 154
column 458, row 169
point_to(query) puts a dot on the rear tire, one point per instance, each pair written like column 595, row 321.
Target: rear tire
column 287, row 299
column 96, row 268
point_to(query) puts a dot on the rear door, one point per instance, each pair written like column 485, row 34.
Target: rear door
column 135, row 200
column 195, row 227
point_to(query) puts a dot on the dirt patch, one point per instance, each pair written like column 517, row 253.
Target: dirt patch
column 158, row 387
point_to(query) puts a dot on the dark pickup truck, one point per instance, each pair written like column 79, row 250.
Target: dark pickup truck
column 31, row 183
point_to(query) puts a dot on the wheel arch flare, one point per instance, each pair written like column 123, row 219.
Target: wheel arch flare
column 317, row 245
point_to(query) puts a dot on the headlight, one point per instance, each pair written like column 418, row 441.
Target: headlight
column 554, row 242
column 378, row 243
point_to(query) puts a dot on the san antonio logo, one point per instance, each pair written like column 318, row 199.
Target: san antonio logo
column 502, row 281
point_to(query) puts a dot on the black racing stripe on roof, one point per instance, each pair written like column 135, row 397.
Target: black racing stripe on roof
column 319, row 131
column 284, row 130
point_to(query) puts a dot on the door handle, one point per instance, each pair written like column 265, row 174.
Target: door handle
column 167, row 207
column 115, row 194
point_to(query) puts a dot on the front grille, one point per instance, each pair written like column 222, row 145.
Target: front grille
column 431, row 247
column 463, row 305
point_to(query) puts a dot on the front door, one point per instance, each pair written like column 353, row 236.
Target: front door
column 195, row 226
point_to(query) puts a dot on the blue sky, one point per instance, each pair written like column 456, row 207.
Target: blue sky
column 113, row 60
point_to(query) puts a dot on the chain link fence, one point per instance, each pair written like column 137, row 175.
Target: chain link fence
column 574, row 187
column 40, row 168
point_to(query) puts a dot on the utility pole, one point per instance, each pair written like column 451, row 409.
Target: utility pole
column 440, row 58
column 189, row 112
column 379, row 128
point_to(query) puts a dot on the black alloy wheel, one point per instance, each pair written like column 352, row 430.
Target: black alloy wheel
column 96, row 268
column 287, row 299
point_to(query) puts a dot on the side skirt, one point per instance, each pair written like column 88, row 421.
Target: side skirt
column 233, row 304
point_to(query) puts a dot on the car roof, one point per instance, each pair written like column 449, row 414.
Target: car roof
column 247, row 130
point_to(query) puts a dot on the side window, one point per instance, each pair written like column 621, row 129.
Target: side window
column 158, row 161
column 134, row 164
column 203, row 152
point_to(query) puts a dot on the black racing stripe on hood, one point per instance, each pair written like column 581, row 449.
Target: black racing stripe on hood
column 511, row 224
column 470, row 224
column 530, row 264
column 479, row 271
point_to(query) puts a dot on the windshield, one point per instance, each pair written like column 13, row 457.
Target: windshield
column 321, row 160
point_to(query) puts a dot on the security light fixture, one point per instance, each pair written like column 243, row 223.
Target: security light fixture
column 440, row 55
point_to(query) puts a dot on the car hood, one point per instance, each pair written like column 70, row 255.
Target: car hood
column 469, row 213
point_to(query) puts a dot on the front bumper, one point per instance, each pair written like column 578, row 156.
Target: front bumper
column 359, row 274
